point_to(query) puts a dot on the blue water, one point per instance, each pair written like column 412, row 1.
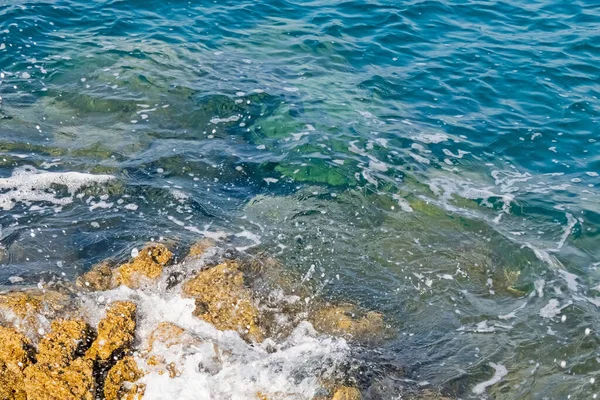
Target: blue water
column 437, row 161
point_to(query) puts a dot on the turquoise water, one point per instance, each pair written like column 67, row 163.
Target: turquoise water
column 436, row 161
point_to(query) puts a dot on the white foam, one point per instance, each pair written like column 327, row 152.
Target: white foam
column 500, row 372
column 28, row 184
column 403, row 203
column 431, row 138
column 217, row 120
column 220, row 364
column 553, row 308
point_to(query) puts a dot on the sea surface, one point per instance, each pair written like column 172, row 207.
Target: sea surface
column 436, row 161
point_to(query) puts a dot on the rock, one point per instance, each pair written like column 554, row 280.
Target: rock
column 115, row 331
column 148, row 265
column 119, row 381
column 347, row 320
column 99, row 278
column 29, row 311
column 169, row 335
column 429, row 395
column 200, row 247
column 72, row 382
column 224, row 301
column 15, row 356
column 347, row 393
column 14, row 347
column 67, row 339
column 12, row 385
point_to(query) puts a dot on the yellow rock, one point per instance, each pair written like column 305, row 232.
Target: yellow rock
column 26, row 309
column 148, row 265
column 169, row 334
column 72, row 382
column 200, row 247
column 99, row 278
column 224, row 301
column 429, row 395
column 123, row 372
column 12, row 385
column 15, row 356
column 14, row 347
column 60, row 346
column 347, row 393
column 346, row 319
column 115, row 332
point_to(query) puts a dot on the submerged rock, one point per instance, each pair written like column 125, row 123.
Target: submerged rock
column 223, row 300
column 115, row 332
column 119, row 383
column 200, row 247
column 348, row 320
column 147, row 265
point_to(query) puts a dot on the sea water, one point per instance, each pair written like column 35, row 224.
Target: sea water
column 436, row 161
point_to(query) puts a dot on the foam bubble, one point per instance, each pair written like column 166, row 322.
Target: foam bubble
column 28, row 184
column 500, row 372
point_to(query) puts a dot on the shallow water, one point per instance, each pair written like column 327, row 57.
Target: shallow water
column 437, row 161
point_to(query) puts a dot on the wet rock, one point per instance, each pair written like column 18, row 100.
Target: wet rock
column 119, row 383
column 429, row 395
column 200, row 247
column 99, row 278
column 12, row 385
column 148, row 265
column 14, row 347
column 15, row 356
column 30, row 311
column 224, row 301
column 115, row 332
column 347, row 320
column 169, row 334
column 347, row 393
column 49, row 382
column 67, row 339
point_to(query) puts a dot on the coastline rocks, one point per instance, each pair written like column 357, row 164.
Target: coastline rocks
column 147, row 265
column 58, row 374
column 223, row 300
column 66, row 340
column 74, row 381
column 15, row 356
column 119, row 383
column 115, row 332
column 254, row 297
column 30, row 311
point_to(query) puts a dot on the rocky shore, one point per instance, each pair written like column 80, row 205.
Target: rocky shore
column 80, row 341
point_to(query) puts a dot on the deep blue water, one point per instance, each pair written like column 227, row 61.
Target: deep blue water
column 435, row 160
